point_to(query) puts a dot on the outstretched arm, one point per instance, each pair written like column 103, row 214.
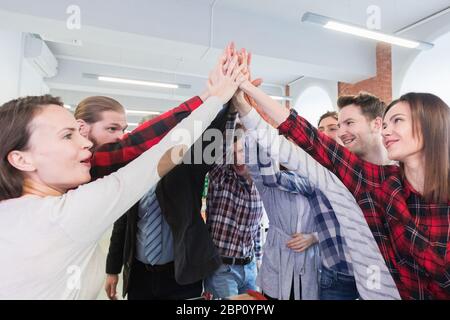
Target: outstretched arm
column 86, row 212
column 355, row 173
column 263, row 166
column 112, row 156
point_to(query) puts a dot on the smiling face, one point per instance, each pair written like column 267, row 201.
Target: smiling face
column 329, row 126
column 397, row 133
column 356, row 132
column 57, row 155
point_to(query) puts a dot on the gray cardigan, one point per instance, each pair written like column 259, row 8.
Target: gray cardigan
column 288, row 212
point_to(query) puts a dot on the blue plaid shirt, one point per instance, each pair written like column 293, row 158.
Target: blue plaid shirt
column 331, row 241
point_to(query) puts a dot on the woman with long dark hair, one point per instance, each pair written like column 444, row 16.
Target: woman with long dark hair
column 407, row 206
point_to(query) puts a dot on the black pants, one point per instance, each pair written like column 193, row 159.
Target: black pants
column 159, row 284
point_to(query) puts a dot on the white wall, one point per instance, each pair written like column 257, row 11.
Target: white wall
column 31, row 83
column 430, row 71
column 10, row 64
column 313, row 97
column 402, row 59
column 17, row 76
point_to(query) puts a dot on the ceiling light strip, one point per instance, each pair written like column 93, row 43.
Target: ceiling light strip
column 333, row 24
column 138, row 82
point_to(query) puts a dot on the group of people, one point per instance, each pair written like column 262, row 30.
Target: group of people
column 358, row 208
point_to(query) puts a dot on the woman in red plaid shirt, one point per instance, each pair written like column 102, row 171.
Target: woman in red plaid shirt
column 407, row 206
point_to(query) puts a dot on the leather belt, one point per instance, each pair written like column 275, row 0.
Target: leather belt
column 158, row 267
column 237, row 261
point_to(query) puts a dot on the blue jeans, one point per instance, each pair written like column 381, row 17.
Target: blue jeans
column 230, row 280
column 337, row 286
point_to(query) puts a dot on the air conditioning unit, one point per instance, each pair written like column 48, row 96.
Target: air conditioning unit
column 40, row 57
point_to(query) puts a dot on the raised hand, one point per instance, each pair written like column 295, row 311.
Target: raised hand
column 226, row 77
column 245, row 58
column 240, row 103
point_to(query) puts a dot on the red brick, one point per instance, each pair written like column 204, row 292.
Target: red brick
column 381, row 84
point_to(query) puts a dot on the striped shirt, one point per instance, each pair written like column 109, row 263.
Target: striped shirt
column 372, row 276
column 289, row 212
column 335, row 255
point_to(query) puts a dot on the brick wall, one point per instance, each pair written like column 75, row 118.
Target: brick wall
column 288, row 94
column 381, row 84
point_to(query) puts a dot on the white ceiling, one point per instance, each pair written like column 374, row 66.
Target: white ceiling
column 168, row 40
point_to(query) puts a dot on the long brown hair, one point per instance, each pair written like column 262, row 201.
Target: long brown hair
column 15, row 118
column 91, row 108
column 431, row 121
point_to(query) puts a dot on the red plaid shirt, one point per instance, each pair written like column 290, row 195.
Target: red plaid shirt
column 112, row 156
column 412, row 234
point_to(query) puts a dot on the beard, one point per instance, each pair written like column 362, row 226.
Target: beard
column 95, row 144
column 241, row 170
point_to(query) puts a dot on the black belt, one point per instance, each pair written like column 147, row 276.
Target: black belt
column 158, row 267
column 237, row 261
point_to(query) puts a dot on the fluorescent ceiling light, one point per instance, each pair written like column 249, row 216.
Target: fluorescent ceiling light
column 142, row 112
column 281, row 98
column 371, row 34
column 128, row 111
column 333, row 24
column 139, row 82
column 133, row 124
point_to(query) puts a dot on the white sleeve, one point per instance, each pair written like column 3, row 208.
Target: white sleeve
column 286, row 152
column 363, row 250
column 86, row 212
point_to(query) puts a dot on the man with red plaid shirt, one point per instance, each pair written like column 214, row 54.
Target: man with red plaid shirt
column 412, row 234
column 111, row 152
column 110, row 157
column 418, row 264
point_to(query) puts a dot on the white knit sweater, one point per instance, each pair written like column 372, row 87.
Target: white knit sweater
column 49, row 246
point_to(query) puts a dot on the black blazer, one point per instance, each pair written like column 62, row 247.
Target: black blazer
column 179, row 195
